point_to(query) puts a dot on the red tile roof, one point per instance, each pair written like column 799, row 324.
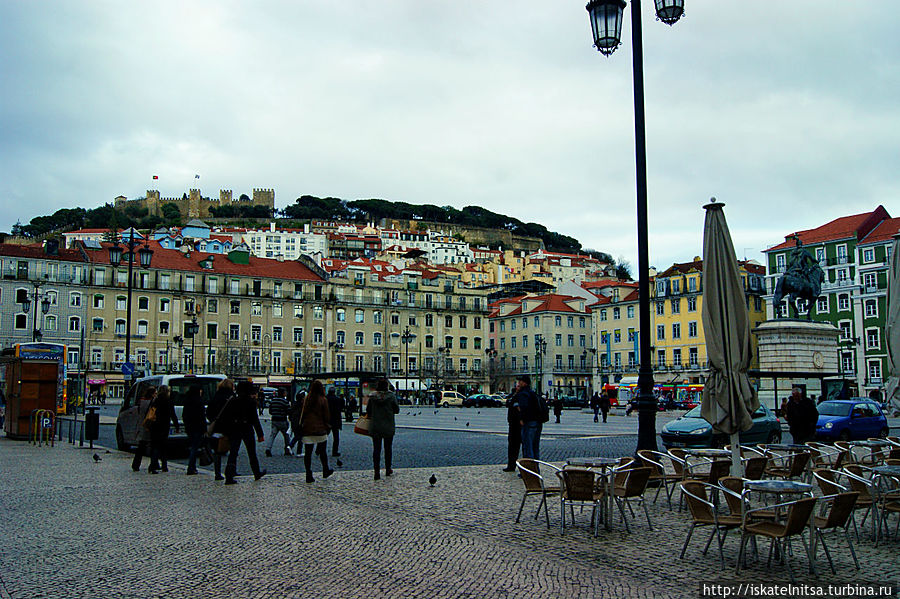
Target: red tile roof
column 165, row 259
column 36, row 250
column 885, row 231
column 845, row 227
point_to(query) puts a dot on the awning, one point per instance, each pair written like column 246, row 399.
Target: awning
column 407, row 384
column 279, row 379
column 96, row 381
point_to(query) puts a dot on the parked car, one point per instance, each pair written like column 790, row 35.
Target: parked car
column 846, row 419
column 127, row 420
column 481, row 400
column 446, row 398
column 573, row 401
column 691, row 430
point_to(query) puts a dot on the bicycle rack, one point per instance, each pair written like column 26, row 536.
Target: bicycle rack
column 42, row 427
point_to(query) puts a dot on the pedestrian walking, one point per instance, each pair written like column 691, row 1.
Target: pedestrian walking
column 802, row 416
column 193, row 415
column 595, row 405
column 224, row 392
column 314, row 426
column 604, row 404
column 351, row 408
column 557, row 408
column 381, row 409
column 159, row 430
column 143, row 433
column 514, row 434
column 294, row 417
column 335, row 409
column 279, row 408
column 532, row 417
column 240, row 420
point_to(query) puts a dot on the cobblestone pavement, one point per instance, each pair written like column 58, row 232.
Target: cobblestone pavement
column 75, row 528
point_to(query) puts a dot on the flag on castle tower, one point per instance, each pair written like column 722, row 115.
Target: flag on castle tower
column 155, row 177
column 196, row 176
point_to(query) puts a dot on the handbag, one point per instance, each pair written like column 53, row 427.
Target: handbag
column 222, row 444
column 362, row 426
column 150, row 417
column 205, row 456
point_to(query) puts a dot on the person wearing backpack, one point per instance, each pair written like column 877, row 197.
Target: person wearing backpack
column 533, row 413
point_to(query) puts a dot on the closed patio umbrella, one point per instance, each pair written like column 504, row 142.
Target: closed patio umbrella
column 728, row 398
column 892, row 327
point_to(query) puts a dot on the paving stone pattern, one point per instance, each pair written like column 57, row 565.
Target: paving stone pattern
column 73, row 528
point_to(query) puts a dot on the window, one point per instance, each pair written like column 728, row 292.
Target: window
column 537, row 321
column 99, row 277
column 97, row 325
column 476, row 343
column 341, row 315
column 660, row 308
column 463, row 343
column 692, row 329
column 429, row 341
column 21, row 321
column 558, row 321
column 692, row 356
column 780, row 263
column 318, row 312
column 676, row 306
column 661, row 332
column 75, row 300
column 448, row 323
column 298, row 334
column 212, row 285
column 317, row 335
column 676, row 357
column 212, row 330
column 96, row 356
column 873, row 339
column 163, row 327
column 164, row 304
column 235, row 307
column 234, row 332
column 692, row 304
column 874, row 367
column 255, row 332
column 822, row 304
column 277, row 334
column 276, row 311
column 395, row 318
column 630, row 311
column 558, row 340
column 844, row 326
column 164, row 281
column 377, row 318
column 843, row 302
column 617, row 313
column 476, row 322
column 868, row 255
column 98, row 301
column 448, row 342
column 142, row 328
column 617, row 335
column 661, row 357
column 570, row 340
column 463, row 321
column 298, row 310
column 870, row 281
column 340, row 338
column 871, row 308
column 120, row 326
column 256, row 309
column 189, row 283
column 842, row 254
column 360, row 316
column 570, row 320
column 676, row 331
column 359, row 338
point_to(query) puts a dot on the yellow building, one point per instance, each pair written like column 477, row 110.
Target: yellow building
column 678, row 338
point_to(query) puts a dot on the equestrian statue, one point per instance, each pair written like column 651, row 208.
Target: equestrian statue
column 801, row 280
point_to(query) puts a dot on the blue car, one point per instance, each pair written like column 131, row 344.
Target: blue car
column 848, row 419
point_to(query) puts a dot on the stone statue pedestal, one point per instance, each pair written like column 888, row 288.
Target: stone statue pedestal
column 801, row 346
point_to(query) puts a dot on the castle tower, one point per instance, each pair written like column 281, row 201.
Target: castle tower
column 264, row 197
column 225, row 197
column 153, row 202
column 194, row 204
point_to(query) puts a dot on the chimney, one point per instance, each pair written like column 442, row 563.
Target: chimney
column 51, row 247
column 272, row 226
column 279, row 257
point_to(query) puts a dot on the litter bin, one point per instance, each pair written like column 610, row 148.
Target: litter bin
column 92, row 425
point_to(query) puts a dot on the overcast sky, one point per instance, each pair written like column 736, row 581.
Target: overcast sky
column 786, row 111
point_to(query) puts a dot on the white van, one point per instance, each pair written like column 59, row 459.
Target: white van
column 127, row 424
column 449, row 398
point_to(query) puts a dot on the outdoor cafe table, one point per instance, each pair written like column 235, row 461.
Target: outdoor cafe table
column 871, row 443
column 786, row 447
column 605, row 466
column 708, row 453
column 779, row 488
column 884, row 494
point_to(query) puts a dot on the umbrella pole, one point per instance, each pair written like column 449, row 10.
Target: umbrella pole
column 736, row 469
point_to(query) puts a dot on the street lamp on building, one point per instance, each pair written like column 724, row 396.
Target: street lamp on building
column 406, row 337
column 115, row 258
column 606, row 26
column 34, row 299
column 540, row 350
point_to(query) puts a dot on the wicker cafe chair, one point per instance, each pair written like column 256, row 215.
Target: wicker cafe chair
column 703, row 513
column 535, row 485
column 837, row 518
column 632, row 490
column 755, row 467
column 792, row 466
column 578, row 486
column 855, row 476
column 827, row 456
column 798, row 514
column 662, row 477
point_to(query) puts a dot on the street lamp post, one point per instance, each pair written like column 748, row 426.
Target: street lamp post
column 492, row 373
column 406, row 337
column 606, row 26
column 32, row 300
column 540, row 350
column 115, row 258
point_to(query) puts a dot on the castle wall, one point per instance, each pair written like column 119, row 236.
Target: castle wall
column 196, row 206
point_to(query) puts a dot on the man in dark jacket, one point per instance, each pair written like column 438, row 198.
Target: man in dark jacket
column 514, row 436
column 531, row 417
column 335, row 409
column 239, row 421
column 193, row 414
column 279, row 408
column 801, row 415
column 604, row 404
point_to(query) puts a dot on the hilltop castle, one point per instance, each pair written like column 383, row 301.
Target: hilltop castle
column 195, row 205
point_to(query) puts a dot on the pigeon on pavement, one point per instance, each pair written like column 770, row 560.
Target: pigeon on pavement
column 97, row 458
column 432, row 480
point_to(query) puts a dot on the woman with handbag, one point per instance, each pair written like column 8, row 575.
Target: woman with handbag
column 381, row 409
column 224, row 392
column 239, row 420
column 159, row 429
column 314, row 425
column 143, row 432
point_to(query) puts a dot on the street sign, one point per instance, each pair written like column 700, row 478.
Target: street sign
column 127, row 368
column 46, row 422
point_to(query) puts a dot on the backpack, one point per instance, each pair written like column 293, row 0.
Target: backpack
column 544, row 408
